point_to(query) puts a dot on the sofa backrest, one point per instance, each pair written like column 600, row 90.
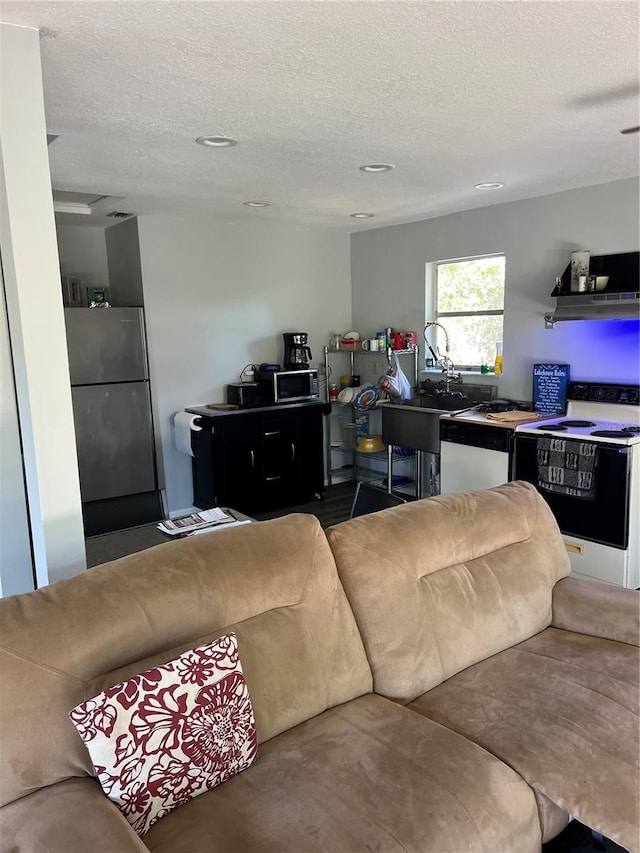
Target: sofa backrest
column 439, row 584
column 274, row 583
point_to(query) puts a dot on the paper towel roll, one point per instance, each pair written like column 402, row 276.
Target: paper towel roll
column 183, row 425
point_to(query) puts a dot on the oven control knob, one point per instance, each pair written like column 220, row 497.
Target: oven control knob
column 578, row 391
column 632, row 396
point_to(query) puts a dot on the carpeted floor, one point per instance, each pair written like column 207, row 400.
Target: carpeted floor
column 334, row 508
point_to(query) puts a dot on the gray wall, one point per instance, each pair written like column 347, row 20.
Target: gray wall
column 218, row 297
column 125, row 274
column 537, row 235
column 83, row 253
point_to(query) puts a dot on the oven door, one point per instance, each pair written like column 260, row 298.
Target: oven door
column 603, row 519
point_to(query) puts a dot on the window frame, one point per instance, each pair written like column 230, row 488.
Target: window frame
column 434, row 315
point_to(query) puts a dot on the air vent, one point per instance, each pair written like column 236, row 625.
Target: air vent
column 119, row 214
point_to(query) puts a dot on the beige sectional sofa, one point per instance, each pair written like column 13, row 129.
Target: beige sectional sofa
column 425, row 679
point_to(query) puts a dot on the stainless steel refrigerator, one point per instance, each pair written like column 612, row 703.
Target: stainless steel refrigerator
column 112, row 414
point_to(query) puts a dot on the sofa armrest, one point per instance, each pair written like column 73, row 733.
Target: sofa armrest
column 590, row 607
column 73, row 816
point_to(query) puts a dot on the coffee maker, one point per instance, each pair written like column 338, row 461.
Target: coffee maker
column 296, row 352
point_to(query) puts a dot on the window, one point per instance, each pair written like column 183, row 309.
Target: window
column 467, row 299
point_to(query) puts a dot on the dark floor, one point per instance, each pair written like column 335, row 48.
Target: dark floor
column 577, row 838
column 332, row 509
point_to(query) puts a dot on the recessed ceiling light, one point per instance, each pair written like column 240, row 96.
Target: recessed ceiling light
column 362, row 215
column 257, row 203
column 377, row 167
column 217, row 141
column 489, row 185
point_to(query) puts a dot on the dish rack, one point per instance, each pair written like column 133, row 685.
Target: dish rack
column 343, row 461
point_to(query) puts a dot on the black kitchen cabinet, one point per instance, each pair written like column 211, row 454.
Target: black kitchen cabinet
column 258, row 459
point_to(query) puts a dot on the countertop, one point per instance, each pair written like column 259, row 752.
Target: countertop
column 222, row 410
column 481, row 418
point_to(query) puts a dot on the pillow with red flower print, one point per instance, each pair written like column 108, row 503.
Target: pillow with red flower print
column 171, row 733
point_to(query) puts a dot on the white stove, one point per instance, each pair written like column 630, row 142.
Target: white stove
column 598, row 422
column 586, row 464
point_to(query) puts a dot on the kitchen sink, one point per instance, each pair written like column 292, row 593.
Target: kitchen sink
column 440, row 404
column 416, row 423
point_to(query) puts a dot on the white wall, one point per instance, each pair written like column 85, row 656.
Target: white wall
column 537, row 235
column 34, row 310
column 218, row 297
column 16, row 565
column 83, row 253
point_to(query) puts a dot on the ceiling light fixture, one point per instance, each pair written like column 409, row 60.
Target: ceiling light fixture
column 377, row 167
column 217, row 141
column 71, row 207
column 489, row 185
column 362, row 215
column 627, row 130
column 257, row 203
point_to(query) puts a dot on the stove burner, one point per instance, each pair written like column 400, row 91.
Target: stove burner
column 577, row 423
column 552, row 427
column 613, row 433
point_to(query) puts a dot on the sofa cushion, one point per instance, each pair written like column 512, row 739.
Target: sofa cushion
column 274, row 583
column 73, row 816
column 439, row 584
column 367, row 775
column 562, row 710
column 167, row 735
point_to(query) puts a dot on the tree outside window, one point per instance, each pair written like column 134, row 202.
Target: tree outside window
column 469, row 303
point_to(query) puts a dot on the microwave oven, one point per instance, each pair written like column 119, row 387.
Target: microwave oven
column 288, row 386
column 247, row 395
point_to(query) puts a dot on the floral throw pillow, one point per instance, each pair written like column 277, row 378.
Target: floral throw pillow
column 165, row 736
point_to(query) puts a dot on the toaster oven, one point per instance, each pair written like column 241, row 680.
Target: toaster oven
column 247, row 395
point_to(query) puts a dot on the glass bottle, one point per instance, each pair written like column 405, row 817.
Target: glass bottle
column 497, row 367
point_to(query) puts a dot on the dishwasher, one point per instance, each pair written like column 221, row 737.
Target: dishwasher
column 474, row 455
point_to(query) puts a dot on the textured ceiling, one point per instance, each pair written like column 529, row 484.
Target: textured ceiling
column 533, row 94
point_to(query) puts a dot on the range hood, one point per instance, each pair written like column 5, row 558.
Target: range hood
column 620, row 300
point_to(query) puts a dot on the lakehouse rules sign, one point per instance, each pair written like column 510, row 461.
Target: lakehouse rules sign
column 550, row 388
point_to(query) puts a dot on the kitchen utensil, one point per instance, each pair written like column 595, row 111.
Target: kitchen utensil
column 348, row 395
column 370, row 444
column 366, row 398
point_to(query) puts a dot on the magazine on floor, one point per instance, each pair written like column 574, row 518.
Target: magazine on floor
column 204, row 520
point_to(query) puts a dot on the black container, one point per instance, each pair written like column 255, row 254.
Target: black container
column 247, row 395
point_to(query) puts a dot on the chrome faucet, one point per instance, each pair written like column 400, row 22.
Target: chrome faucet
column 444, row 361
